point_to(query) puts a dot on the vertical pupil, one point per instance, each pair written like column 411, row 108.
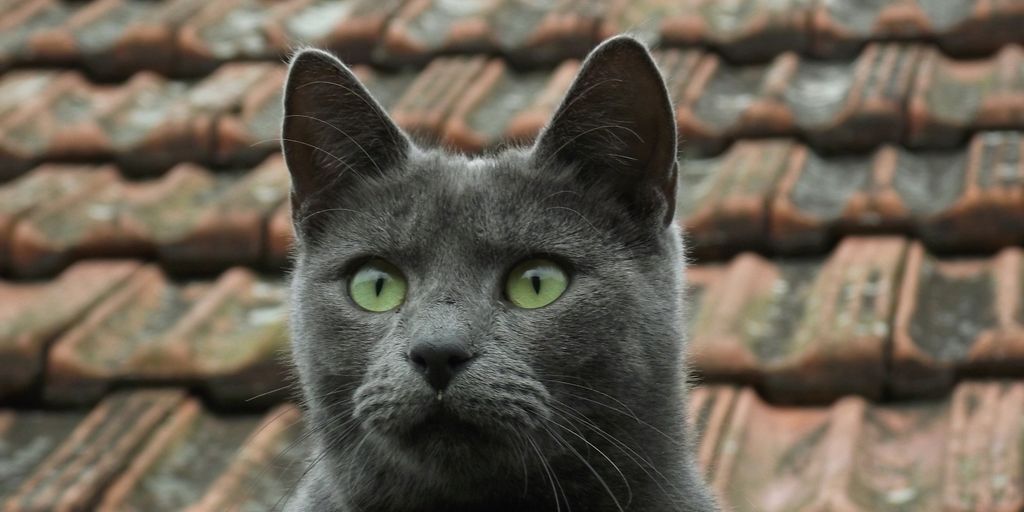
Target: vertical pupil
column 379, row 285
column 535, row 281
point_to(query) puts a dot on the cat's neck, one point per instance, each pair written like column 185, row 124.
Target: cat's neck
column 577, row 480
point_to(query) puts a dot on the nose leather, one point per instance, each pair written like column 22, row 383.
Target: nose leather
column 439, row 359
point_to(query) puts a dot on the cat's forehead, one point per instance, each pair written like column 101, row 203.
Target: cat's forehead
column 490, row 203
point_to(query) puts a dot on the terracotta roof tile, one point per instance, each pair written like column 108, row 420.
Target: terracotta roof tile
column 230, row 228
column 386, row 87
column 876, row 318
column 724, row 201
column 980, row 205
column 114, row 38
column 149, row 123
column 21, row 25
column 47, row 184
column 960, row 454
column 952, row 200
column 229, row 118
column 170, row 121
column 155, row 330
column 190, row 218
column 802, row 330
column 959, row 26
column 120, row 220
column 28, row 130
column 28, row 437
column 642, row 19
column 843, row 106
column 957, row 453
column 961, row 317
column 74, row 474
column 742, row 31
column 247, row 135
column 164, row 475
column 351, row 29
column 266, row 469
column 500, row 105
column 431, row 98
column 231, row 30
column 953, row 97
column 32, row 315
column 527, row 124
column 544, row 33
column 768, row 195
column 17, row 87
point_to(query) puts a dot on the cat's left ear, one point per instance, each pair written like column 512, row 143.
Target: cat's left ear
column 334, row 134
column 617, row 123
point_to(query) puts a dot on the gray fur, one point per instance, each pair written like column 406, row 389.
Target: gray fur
column 579, row 405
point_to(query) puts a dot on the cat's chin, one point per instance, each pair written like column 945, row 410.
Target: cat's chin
column 440, row 430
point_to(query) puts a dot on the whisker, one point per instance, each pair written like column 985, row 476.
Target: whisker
column 582, row 459
column 551, row 476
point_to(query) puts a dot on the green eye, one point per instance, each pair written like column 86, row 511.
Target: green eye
column 536, row 283
column 377, row 286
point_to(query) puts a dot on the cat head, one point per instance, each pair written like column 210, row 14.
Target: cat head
column 443, row 303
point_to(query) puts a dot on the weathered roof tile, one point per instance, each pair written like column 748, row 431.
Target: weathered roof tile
column 191, row 219
column 431, row 98
column 250, row 134
column 745, row 31
column 960, row 454
column 157, row 330
column 166, row 122
column 165, row 474
column 527, row 124
column 266, row 469
column 230, row 30
column 74, row 474
column 486, row 112
column 33, row 315
column 351, row 29
column 959, row 26
column 842, row 106
column 121, row 220
column 801, row 331
column 26, row 438
column 46, row 185
column 19, row 27
column 961, row 317
column 230, row 228
column 954, row 97
column 544, row 33
column 973, row 200
column 723, row 202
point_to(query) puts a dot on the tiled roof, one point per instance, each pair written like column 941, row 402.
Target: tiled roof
column 962, row 452
column 852, row 192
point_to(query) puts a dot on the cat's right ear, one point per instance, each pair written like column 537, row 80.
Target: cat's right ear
column 334, row 132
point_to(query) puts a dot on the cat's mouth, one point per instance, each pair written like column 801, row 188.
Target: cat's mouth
column 440, row 424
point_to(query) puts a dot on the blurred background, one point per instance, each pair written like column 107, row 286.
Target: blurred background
column 852, row 188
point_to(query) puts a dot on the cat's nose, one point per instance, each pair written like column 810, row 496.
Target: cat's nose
column 439, row 359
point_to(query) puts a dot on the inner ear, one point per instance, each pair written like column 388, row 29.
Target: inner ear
column 334, row 134
column 617, row 123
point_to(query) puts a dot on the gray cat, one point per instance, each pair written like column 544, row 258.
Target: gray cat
column 500, row 333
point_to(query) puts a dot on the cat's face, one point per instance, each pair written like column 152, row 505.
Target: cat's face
column 449, row 307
